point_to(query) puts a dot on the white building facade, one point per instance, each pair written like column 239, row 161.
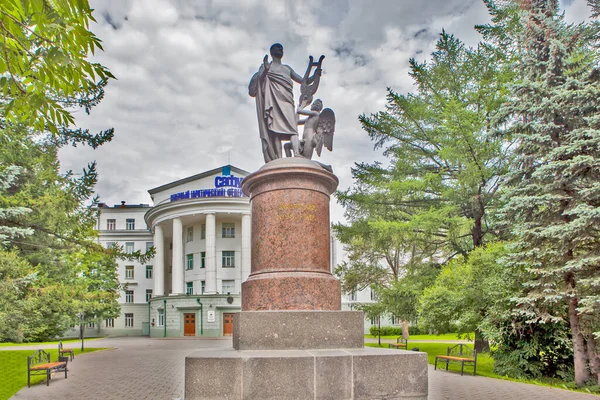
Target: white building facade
column 200, row 229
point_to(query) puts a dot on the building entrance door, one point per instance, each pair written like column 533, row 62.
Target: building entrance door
column 189, row 324
column 227, row 324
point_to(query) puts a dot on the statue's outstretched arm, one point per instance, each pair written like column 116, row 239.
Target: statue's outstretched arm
column 295, row 77
column 309, row 112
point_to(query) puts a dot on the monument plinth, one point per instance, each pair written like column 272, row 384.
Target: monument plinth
column 290, row 238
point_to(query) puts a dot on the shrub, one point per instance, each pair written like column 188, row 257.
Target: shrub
column 393, row 330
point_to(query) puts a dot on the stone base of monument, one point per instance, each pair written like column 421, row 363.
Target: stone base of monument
column 366, row 373
column 304, row 355
column 294, row 330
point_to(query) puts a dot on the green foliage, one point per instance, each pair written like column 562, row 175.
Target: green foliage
column 535, row 350
column 393, row 330
column 401, row 297
column 432, row 201
column 52, row 265
column 455, row 302
column 43, row 65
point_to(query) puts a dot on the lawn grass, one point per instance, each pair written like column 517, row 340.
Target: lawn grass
column 442, row 337
column 485, row 366
column 14, row 369
column 65, row 341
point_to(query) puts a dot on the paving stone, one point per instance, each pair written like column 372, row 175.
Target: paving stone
column 153, row 369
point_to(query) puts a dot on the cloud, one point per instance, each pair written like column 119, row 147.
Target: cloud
column 180, row 105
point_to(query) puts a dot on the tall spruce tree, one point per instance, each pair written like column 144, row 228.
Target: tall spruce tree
column 553, row 200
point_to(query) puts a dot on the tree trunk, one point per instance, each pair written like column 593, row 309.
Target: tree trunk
column 593, row 357
column 477, row 230
column 481, row 344
column 579, row 353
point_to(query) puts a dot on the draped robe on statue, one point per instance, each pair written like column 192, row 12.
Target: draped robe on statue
column 275, row 107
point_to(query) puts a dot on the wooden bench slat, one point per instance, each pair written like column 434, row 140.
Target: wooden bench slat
column 456, row 358
column 47, row 366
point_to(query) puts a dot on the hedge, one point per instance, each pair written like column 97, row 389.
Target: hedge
column 393, row 330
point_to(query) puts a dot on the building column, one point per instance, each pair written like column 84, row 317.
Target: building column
column 211, row 254
column 159, row 261
column 246, row 246
column 177, row 276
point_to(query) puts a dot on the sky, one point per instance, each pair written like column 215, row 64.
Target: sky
column 180, row 104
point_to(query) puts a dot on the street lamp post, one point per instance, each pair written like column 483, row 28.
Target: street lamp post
column 81, row 329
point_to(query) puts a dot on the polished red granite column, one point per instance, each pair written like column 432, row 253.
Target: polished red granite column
column 290, row 238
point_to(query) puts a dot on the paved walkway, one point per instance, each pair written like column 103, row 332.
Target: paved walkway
column 141, row 368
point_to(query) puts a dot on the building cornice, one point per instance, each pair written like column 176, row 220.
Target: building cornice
column 182, row 208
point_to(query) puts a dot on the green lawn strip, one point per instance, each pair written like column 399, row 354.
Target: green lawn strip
column 14, row 369
column 65, row 341
column 442, row 337
column 485, row 365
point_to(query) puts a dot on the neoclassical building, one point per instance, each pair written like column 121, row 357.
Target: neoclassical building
column 200, row 228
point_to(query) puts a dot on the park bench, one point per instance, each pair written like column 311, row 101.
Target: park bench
column 460, row 353
column 62, row 351
column 39, row 363
column 401, row 343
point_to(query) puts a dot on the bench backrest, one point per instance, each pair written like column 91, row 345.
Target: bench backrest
column 462, row 350
column 39, row 357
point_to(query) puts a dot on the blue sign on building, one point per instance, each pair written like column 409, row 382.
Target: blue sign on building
column 225, row 186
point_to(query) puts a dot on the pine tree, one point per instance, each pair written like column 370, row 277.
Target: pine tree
column 553, row 201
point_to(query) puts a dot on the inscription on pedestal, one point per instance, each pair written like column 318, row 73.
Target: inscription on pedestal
column 296, row 212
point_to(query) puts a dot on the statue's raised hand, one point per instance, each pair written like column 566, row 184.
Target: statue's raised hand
column 266, row 62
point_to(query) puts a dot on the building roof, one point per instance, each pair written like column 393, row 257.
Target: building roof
column 196, row 177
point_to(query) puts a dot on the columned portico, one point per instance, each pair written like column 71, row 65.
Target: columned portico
column 159, row 261
column 246, row 245
column 211, row 253
column 177, row 283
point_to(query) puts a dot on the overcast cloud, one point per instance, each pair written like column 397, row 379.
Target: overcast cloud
column 180, row 105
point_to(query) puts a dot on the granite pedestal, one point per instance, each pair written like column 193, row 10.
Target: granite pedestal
column 291, row 341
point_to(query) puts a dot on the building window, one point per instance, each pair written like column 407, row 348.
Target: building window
column 161, row 317
column 128, row 320
column 109, row 323
column 228, row 286
column 374, row 295
column 110, row 245
column 130, row 223
column 203, row 231
column 202, row 259
column 202, row 286
column 190, row 234
column 189, row 288
column 228, row 259
column 148, row 294
column 353, row 296
column 91, row 325
column 149, row 245
column 395, row 320
column 190, row 262
column 129, row 272
column 129, row 296
column 228, row 231
column 374, row 321
column 148, row 271
column 129, row 247
column 111, row 224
